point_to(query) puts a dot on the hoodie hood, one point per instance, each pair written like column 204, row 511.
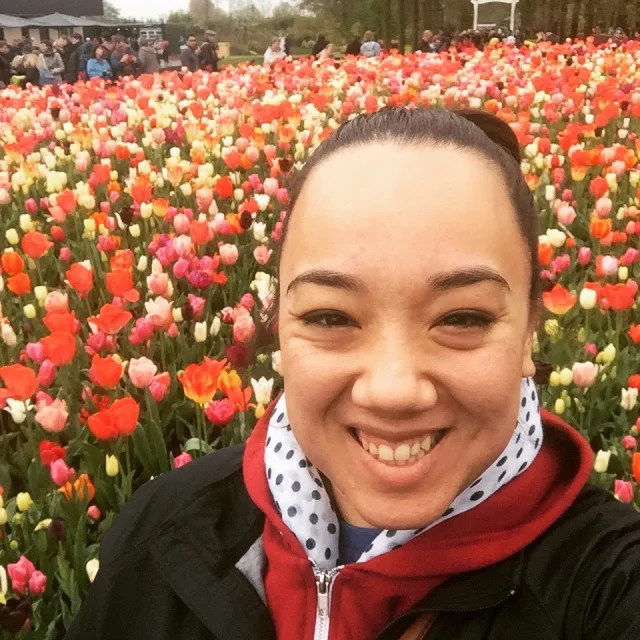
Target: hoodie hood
column 396, row 581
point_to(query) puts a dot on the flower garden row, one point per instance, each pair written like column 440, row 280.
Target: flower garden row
column 138, row 222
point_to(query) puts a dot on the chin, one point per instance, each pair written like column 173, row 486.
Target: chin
column 403, row 518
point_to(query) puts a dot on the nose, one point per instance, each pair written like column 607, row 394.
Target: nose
column 393, row 377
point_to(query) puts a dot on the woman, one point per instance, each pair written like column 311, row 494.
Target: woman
column 319, row 46
column 27, row 65
column 148, row 57
column 274, row 53
column 328, row 53
column 51, row 64
column 395, row 490
column 370, row 48
column 98, row 66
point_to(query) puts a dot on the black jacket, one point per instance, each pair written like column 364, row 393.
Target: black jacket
column 183, row 563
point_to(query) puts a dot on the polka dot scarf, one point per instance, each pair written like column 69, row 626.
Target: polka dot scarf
column 304, row 504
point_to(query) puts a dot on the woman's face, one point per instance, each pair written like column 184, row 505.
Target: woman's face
column 99, row 53
column 405, row 327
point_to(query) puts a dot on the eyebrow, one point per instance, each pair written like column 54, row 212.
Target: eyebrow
column 465, row 278
column 327, row 278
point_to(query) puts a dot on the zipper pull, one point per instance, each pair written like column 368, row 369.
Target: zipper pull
column 322, row 588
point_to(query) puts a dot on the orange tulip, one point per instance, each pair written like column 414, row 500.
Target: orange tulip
column 600, row 227
column 12, row 263
column 120, row 419
column 634, row 333
column 200, row 232
column 105, row 372
column 619, row 296
column 20, row 382
column 160, row 207
column 635, row 466
column 82, row 488
column 120, row 283
column 35, row 244
column 559, row 300
column 121, row 260
column 200, row 381
column 59, row 347
column 141, row 190
column 19, row 284
column 80, row 279
column 238, row 397
column 67, row 201
column 61, row 321
column 111, row 319
column 545, row 254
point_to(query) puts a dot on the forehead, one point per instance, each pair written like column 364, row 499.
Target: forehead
column 418, row 208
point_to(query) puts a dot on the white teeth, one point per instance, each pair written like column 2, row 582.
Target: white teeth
column 402, row 453
column 426, row 444
column 373, row 449
column 385, row 452
column 416, row 449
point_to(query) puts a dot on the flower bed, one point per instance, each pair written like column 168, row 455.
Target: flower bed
column 138, row 222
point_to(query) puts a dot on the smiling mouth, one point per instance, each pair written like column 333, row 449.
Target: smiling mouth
column 398, row 453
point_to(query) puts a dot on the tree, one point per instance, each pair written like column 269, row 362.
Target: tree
column 576, row 12
column 110, row 11
column 180, row 17
column 402, row 23
column 416, row 24
column 386, row 20
column 201, row 10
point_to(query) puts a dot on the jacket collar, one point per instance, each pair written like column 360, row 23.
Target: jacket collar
column 197, row 549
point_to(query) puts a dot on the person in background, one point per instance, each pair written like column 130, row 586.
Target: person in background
column 319, row 45
column 5, row 63
column 208, row 55
column 286, row 45
column 353, row 48
column 328, row 53
column 98, row 66
column 426, row 44
column 123, row 60
column 84, row 52
column 370, row 48
column 27, row 65
column 148, row 57
column 188, row 55
column 51, row 64
column 165, row 53
column 274, row 52
column 71, row 64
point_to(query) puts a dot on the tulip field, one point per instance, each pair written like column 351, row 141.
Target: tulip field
column 139, row 225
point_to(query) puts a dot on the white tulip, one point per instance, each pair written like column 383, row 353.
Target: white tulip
column 93, row 566
column 601, row 463
column 262, row 389
column 629, row 398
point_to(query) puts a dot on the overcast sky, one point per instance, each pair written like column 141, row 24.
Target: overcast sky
column 149, row 8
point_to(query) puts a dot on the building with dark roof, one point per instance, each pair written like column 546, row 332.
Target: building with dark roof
column 34, row 8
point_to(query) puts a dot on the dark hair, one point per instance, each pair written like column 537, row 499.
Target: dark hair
column 464, row 129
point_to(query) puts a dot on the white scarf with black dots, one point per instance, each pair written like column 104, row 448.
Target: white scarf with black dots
column 304, row 504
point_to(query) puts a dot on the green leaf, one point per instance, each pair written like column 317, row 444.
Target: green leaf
column 195, row 444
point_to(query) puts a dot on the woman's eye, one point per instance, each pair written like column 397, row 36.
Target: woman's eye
column 328, row 319
column 466, row 320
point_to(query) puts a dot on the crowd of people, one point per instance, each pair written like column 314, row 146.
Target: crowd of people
column 203, row 56
column 71, row 58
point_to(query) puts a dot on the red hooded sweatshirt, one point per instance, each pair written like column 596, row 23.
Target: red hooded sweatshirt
column 393, row 583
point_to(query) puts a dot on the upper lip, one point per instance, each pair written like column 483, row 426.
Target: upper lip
column 394, row 436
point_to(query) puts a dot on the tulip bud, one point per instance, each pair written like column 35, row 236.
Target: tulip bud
column 112, row 465
column 3, row 517
column 215, row 326
column 623, row 273
column 29, row 311
column 40, row 293
column 276, row 362
column 143, row 263
column 588, row 298
column 12, row 236
column 559, row 406
column 23, row 501
column 92, row 568
column 177, row 314
column 93, row 512
column 134, row 230
column 550, row 193
column 566, row 377
column 601, row 463
column 554, row 379
column 200, row 331
column 608, row 354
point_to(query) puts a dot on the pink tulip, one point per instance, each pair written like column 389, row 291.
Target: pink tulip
column 590, row 349
column 197, row 305
column 566, row 215
column 247, row 301
column 262, row 254
column 630, row 228
column 181, row 223
column 181, row 460
column 603, row 207
column 158, row 136
column 244, row 329
column 43, row 399
column 584, row 256
column 180, row 268
column 228, row 254
column 204, row 198
column 173, row 331
column 56, row 302
column 141, row 372
column 567, row 195
column 60, row 472
column 220, row 412
column 37, row 583
column 31, row 206
column 159, row 313
column 20, row 572
column 629, row 443
column 609, row 265
column 183, row 246
column 623, row 490
column 35, row 351
column 46, row 373
column 142, row 331
column 630, row 256
column 159, row 386
column 254, row 181
column 53, row 417
column 282, row 195
column 253, row 154
column 94, row 513
column 270, row 186
column 158, row 283
column 585, row 374
column 65, row 254
column 618, row 167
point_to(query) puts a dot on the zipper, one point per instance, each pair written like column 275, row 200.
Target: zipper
column 324, row 585
column 502, row 600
